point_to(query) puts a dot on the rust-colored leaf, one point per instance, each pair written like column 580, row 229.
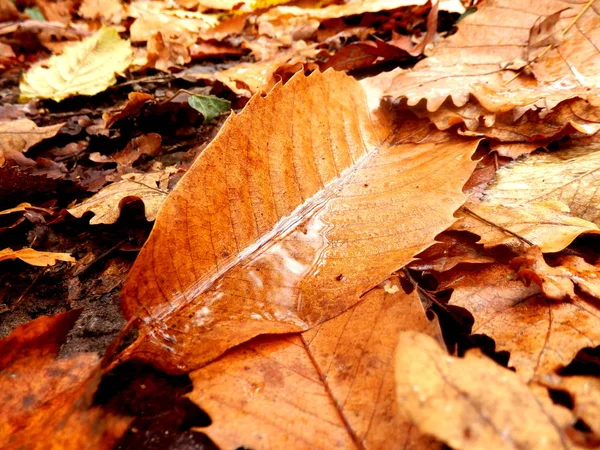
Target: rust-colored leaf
column 559, row 282
column 17, row 136
column 472, row 402
column 133, row 106
column 283, row 224
column 335, row 380
column 541, row 335
column 44, row 402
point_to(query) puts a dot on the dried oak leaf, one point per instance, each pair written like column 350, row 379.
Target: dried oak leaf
column 500, row 30
column 150, row 188
column 546, row 224
column 84, row 68
column 287, row 222
column 570, row 175
column 34, row 257
column 472, row 402
column 541, row 335
column 17, row 136
column 558, row 282
column 335, row 380
column 44, row 402
column 585, row 391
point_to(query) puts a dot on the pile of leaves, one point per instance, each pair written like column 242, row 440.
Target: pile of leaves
column 392, row 241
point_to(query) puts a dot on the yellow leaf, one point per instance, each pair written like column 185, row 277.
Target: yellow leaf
column 35, row 258
column 85, row 68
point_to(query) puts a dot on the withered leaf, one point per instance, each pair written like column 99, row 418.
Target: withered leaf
column 559, row 282
column 35, row 257
column 569, row 175
column 150, row 188
column 283, row 224
column 469, row 402
column 546, row 224
column 17, row 136
column 343, row 366
column 146, row 144
column 134, row 105
column 490, row 41
column 44, row 402
column 541, row 334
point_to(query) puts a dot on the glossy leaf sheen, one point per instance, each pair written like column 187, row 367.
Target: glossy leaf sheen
column 303, row 202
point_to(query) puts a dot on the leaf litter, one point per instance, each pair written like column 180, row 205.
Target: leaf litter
column 339, row 263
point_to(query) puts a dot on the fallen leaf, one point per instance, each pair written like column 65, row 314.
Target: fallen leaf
column 210, row 106
column 545, row 224
column 287, row 240
column 569, row 175
column 487, row 43
column 566, row 118
column 45, row 402
column 58, row 10
column 166, row 53
column 585, row 391
column 8, row 11
column 559, row 282
column 133, row 107
column 469, row 402
column 363, row 54
column 17, row 136
column 541, row 335
column 34, row 257
column 343, row 367
column 84, row 68
column 447, row 252
column 107, row 11
column 146, row 144
column 106, row 204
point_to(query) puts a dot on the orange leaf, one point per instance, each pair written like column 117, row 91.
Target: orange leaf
column 303, row 202
column 335, row 380
column 44, row 402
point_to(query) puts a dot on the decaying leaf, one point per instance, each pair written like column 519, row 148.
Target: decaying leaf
column 84, row 68
column 210, row 106
column 34, row 257
column 474, row 61
column 44, row 402
column 469, row 402
column 546, row 224
column 17, row 136
column 541, row 335
column 150, row 188
column 559, row 282
column 570, row 175
column 287, row 222
column 342, row 367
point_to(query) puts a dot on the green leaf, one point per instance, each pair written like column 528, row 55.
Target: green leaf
column 85, row 68
column 35, row 13
column 210, row 106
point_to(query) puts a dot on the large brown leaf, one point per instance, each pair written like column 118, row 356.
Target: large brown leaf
column 303, row 202
column 541, row 334
column 17, row 136
column 44, row 402
column 336, row 380
column 473, row 61
column 472, row 402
